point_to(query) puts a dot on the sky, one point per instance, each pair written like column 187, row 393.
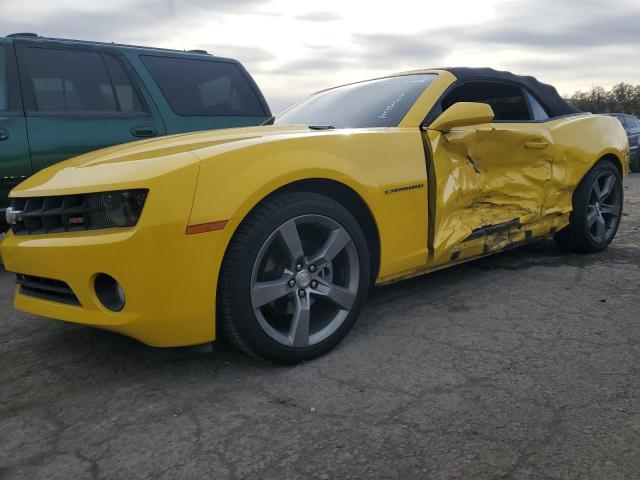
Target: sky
column 294, row 48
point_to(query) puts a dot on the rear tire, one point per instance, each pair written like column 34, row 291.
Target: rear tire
column 597, row 210
column 293, row 279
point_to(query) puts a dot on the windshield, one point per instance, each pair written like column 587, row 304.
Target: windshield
column 375, row 103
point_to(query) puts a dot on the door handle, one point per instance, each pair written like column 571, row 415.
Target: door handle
column 537, row 145
column 144, row 132
column 4, row 134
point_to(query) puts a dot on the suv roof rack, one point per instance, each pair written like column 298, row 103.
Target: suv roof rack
column 35, row 35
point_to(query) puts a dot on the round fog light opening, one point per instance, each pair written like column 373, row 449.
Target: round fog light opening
column 109, row 292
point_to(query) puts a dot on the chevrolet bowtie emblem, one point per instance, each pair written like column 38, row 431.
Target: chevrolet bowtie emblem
column 13, row 215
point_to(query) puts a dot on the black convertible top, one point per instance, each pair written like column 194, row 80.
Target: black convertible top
column 555, row 105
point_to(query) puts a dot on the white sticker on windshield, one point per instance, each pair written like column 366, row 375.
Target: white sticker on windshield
column 389, row 108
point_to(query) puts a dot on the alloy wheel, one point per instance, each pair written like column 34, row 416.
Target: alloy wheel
column 604, row 208
column 305, row 280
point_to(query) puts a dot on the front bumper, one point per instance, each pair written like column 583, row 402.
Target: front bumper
column 169, row 279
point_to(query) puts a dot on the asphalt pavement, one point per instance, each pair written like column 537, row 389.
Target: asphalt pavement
column 523, row 365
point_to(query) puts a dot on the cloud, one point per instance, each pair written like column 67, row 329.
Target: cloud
column 323, row 61
column 80, row 25
column 396, row 51
column 133, row 20
column 210, row 5
column 319, row 16
column 561, row 43
column 570, row 43
column 386, row 52
column 603, row 30
column 246, row 55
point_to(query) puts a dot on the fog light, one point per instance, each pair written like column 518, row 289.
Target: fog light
column 109, row 292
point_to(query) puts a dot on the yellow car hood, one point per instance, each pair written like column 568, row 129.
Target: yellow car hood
column 131, row 164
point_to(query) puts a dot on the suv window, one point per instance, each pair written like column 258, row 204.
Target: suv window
column 632, row 123
column 203, row 87
column 622, row 121
column 4, row 80
column 79, row 81
column 126, row 95
column 507, row 100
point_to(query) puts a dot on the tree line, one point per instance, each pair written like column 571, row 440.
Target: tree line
column 622, row 98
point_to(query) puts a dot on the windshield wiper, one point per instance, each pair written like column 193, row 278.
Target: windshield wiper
column 322, row 127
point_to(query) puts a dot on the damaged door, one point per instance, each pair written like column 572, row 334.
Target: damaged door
column 488, row 182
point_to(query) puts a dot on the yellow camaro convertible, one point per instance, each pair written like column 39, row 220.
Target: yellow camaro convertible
column 271, row 235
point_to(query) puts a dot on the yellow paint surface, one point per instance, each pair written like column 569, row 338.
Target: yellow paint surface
column 464, row 180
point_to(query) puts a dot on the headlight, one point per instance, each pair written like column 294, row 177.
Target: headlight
column 115, row 209
column 68, row 213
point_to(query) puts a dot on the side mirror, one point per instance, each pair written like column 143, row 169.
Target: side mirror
column 462, row 114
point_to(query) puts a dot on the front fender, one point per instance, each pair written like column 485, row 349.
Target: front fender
column 231, row 183
column 228, row 191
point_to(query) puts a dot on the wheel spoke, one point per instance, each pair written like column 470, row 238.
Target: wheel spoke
column 340, row 296
column 299, row 332
column 601, row 228
column 607, row 187
column 338, row 239
column 266, row 292
column 610, row 210
column 596, row 189
column 291, row 238
column 592, row 216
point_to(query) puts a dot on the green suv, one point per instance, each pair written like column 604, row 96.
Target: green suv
column 60, row 98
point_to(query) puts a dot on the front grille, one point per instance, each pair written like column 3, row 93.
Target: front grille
column 46, row 289
column 64, row 213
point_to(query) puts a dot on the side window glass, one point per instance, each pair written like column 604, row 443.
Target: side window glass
column 203, row 87
column 4, row 80
column 537, row 110
column 633, row 123
column 126, row 95
column 623, row 122
column 507, row 100
column 70, row 81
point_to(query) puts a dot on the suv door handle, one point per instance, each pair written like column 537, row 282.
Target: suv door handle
column 144, row 132
column 537, row 145
column 4, row 134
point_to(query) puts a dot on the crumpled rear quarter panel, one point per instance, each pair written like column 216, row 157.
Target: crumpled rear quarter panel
column 580, row 141
column 489, row 175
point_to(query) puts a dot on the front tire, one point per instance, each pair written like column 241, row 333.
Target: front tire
column 294, row 278
column 597, row 210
